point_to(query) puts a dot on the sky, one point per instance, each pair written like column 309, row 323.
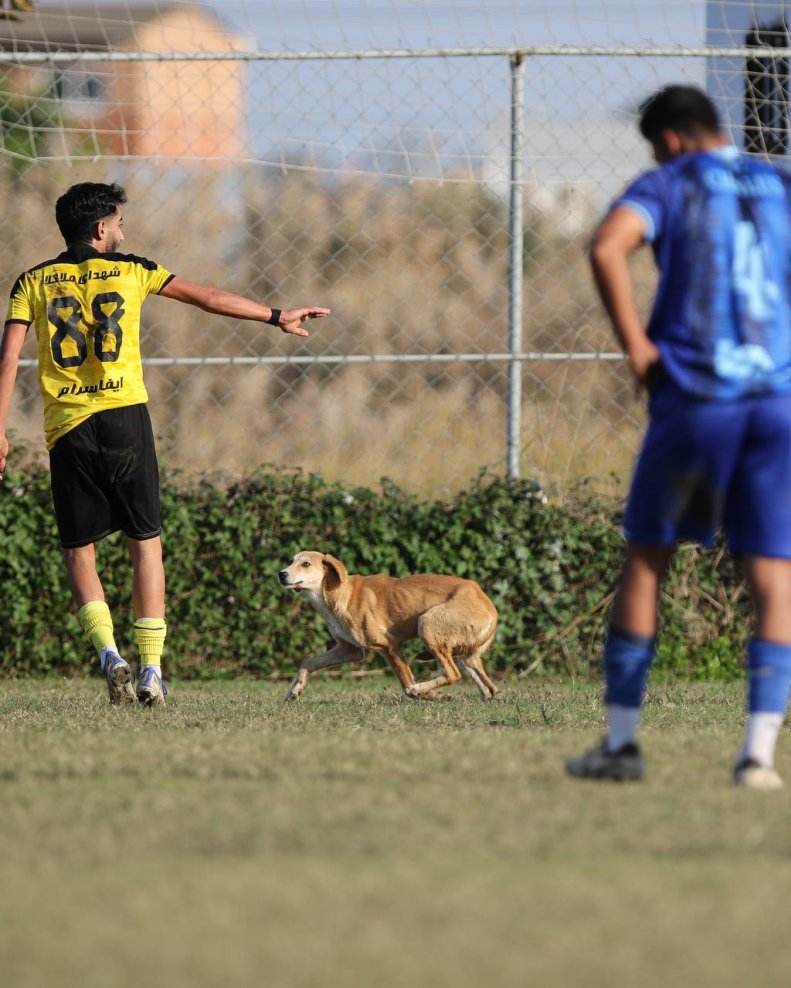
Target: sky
column 440, row 117
column 443, row 118
column 334, row 24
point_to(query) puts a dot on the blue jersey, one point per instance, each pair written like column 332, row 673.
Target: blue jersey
column 720, row 226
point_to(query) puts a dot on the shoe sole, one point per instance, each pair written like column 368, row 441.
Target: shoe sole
column 120, row 689
column 607, row 775
column 759, row 781
column 150, row 700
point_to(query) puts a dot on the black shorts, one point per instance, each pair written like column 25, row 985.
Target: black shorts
column 105, row 478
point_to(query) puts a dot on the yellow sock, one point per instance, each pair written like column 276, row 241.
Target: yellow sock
column 98, row 625
column 150, row 637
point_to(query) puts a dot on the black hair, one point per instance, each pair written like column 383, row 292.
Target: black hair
column 81, row 207
column 685, row 109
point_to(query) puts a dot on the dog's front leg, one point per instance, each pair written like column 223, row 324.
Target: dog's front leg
column 337, row 656
column 395, row 656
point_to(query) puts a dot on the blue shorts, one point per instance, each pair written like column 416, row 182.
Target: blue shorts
column 707, row 465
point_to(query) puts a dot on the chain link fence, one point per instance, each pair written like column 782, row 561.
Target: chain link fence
column 441, row 209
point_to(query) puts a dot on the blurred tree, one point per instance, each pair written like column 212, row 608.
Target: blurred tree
column 26, row 125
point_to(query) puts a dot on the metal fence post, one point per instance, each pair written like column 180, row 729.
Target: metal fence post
column 515, row 261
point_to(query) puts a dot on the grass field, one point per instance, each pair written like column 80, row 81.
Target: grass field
column 356, row 839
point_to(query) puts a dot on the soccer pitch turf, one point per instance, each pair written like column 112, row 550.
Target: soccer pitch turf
column 356, row 838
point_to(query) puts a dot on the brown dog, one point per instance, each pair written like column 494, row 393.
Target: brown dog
column 454, row 619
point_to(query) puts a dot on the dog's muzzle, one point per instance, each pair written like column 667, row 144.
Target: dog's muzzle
column 282, row 577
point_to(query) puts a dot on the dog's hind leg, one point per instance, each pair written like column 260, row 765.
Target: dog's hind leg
column 337, row 656
column 473, row 667
column 478, row 665
column 423, row 691
column 470, row 663
column 432, row 630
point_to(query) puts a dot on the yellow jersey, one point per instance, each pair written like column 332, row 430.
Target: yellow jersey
column 86, row 310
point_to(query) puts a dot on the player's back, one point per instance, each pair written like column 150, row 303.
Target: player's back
column 85, row 307
column 721, row 316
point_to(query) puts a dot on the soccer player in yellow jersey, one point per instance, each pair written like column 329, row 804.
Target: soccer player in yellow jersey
column 85, row 307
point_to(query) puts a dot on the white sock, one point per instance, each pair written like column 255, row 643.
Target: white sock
column 761, row 737
column 624, row 722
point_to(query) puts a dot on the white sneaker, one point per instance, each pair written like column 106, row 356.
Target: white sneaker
column 118, row 677
column 151, row 691
column 752, row 775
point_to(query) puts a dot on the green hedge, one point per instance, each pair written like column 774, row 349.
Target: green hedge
column 550, row 569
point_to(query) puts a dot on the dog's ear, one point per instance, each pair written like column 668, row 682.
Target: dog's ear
column 334, row 573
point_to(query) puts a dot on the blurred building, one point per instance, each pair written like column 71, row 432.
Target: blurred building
column 168, row 110
column 752, row 93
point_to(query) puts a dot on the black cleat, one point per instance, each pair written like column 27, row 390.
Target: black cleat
column 624, row 765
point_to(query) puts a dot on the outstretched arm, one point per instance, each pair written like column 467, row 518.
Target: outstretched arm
column 622, row 232
column 224, row 303
column 10, row 348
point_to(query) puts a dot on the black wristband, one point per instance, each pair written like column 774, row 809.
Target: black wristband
column 274, row 319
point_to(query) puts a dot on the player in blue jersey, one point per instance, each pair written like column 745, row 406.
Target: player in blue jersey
column 715, row 359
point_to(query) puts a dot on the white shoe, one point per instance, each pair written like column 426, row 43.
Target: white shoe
column 151, row 691
column 752, row 775
column 118, row 677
